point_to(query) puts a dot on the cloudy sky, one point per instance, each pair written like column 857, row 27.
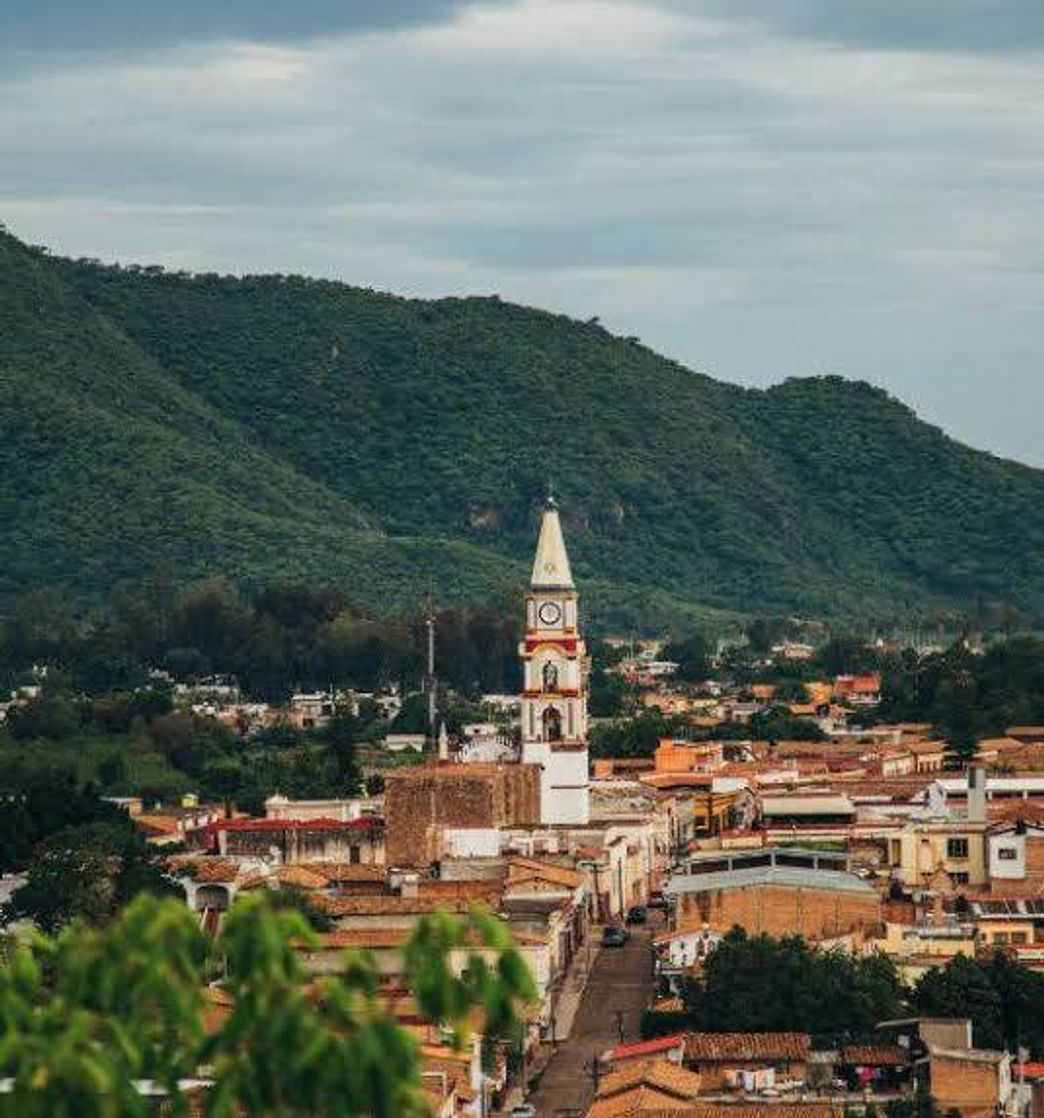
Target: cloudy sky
column 760, row 188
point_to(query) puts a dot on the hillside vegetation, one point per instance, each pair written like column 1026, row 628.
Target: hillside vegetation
column 274, row 427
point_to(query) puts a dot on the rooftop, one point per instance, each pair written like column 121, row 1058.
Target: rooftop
column 787, row 877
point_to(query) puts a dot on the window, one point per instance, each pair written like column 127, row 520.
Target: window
column 354, row 855
column 1018, row 937
column 957, row 848
column 959, row 878
column 1007, row 853
column 1000, row 937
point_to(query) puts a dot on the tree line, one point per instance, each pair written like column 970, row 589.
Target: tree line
column 760, row 983
column 272, row 639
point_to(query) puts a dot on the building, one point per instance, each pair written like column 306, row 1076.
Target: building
column 555, row 667
column 437, row 810
column 777, row 890
column 720, row 1058
column 357, row 841
column 943, row 848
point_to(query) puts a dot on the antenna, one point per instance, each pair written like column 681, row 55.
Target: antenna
column 431, row 681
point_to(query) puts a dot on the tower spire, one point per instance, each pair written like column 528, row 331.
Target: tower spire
column 551, row 570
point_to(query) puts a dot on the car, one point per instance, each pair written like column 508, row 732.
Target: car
column 637, row 915
column 614, row 936
column 657, row 900
column 523, row 1110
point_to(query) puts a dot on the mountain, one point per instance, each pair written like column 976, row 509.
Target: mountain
column 276, row 426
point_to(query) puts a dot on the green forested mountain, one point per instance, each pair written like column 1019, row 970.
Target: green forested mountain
column 277, row 426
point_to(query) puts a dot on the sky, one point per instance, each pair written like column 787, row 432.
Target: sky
column 758, row 188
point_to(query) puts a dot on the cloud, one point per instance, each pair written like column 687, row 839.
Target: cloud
column 756, row 202
column 84, row 25
column 910, row 25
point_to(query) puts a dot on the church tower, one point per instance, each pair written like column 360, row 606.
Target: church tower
column 554, row 687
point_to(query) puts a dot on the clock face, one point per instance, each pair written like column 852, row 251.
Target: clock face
column 550, row 613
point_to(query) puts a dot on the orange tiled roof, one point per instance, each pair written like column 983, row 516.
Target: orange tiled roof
column 875, row 1055
column 393, row 906
column 746, row 1046
column 660, row 1074
column 528, row 869
column 769, row 1109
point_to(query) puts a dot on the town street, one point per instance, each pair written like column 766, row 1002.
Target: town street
column 621, row 982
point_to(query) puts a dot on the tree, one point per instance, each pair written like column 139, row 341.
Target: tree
column 88, row 872
column 762, row 984
column 692, row 655
column 341, row 733
column 87, row 1013
column 39, row 803
column 845, row 655
column 1003, row 998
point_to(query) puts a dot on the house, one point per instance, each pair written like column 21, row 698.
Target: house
column 719, row 1057
column 929, row 756
column 310, row 710
column 355, row 841
column 656, row 1085
column 877, row 1067
column 858, row 690
column 974, row 1081
column 673, row 756
column 1015, row 854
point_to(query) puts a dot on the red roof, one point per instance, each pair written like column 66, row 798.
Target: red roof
column 645, row 1047
column 364, row 823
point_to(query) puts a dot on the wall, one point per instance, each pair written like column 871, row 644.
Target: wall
column 778, row 910
column 973, row 1086
column 420, row 803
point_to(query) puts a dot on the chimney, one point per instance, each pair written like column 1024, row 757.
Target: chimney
column 976, row 794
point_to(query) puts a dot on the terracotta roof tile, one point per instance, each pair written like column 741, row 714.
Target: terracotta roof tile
column 875, row 1055
column 746, row 1046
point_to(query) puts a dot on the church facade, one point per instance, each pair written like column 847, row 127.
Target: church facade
column 555, row 671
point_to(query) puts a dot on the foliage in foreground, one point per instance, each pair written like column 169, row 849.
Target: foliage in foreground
column 87, row 1015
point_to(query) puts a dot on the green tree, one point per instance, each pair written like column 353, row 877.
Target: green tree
column 88, row 872
column 85, row 1015
column 692, row 655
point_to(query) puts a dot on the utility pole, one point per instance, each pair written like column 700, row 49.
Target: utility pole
column 432, row 684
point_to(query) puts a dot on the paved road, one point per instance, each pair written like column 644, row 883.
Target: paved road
column 621, row 982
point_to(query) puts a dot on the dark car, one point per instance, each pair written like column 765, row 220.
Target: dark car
column 614, row 936
column 657, row 900
column 637, row 915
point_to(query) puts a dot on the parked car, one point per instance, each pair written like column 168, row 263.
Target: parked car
column 523, row 1110
column 614, row 936
column 637, row 914
column 657, row 900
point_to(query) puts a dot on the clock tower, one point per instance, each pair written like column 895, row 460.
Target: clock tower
column 554, row 687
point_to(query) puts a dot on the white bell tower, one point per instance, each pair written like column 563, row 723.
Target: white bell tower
column 554, row 688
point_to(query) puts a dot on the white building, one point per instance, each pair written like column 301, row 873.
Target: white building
column 554, row 695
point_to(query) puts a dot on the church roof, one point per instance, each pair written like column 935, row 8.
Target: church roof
column 551, row 564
